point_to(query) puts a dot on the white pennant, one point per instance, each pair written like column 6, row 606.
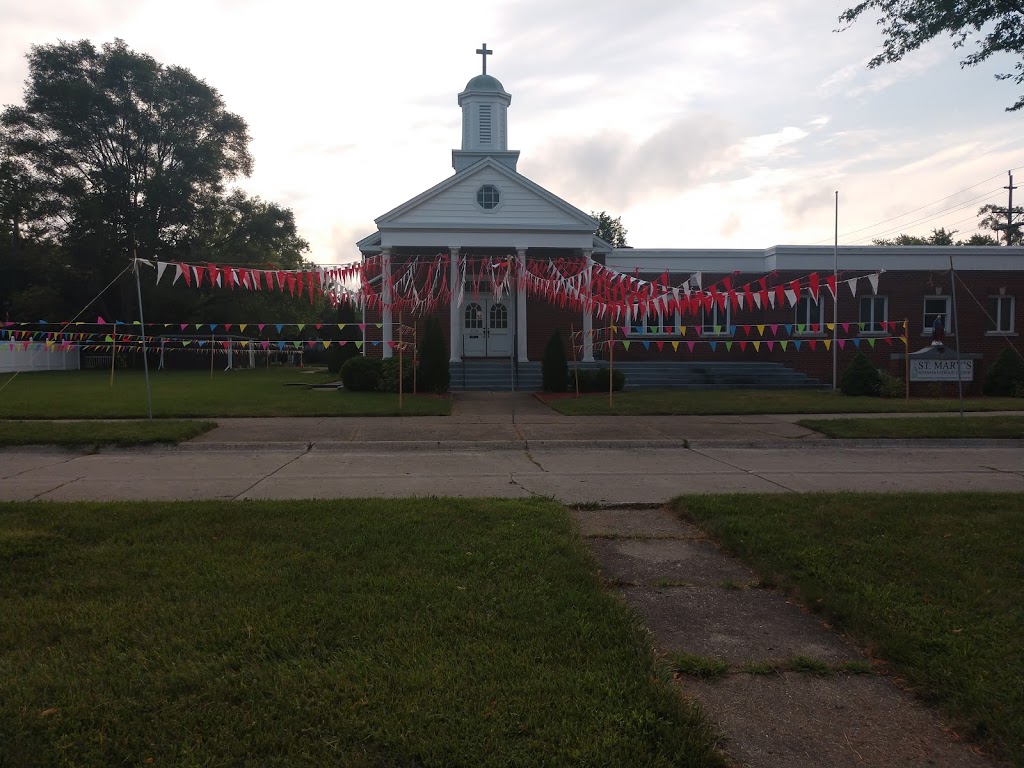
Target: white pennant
column 852, row 282
column 791, row 297
column 771, row 298
column 160, row 267
column 873, row 279
column 757, row 299
column 177, row 273
column 739, row 300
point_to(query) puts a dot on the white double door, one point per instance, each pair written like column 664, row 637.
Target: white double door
column 487, row 327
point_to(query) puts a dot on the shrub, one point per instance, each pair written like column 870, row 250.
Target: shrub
column 338, row 355
column 433, row 371
column 1004, row 374
column 890, row 386
column 388, row 378
column 596, row 379
column 360, row 374
column 860, row 377
column 555, row 368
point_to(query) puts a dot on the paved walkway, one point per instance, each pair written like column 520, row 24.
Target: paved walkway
column 699, row 601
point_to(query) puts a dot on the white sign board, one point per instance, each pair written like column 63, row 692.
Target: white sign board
column 941, row 370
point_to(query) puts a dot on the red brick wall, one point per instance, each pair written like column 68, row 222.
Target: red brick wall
column 905, row 292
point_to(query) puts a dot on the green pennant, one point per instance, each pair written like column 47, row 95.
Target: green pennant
column 625, row 345
column 871, row 342
column 359, row 345
column 783, row 344
column 728, row 346
column 301, row 326
column 800, row 327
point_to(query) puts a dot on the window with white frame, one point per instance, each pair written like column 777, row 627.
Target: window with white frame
column 715, row 320
column 1000, row 313
column 810, row 314
column 874, row 313
column 654, row 321
column 934, row 307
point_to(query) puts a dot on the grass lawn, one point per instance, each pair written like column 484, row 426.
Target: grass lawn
column 425, row 632
column 931, row 426
column 193, row 394
column 683, row 402
column 100, row 432
column 931, row 583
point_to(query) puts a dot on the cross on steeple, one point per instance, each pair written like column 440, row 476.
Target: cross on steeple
column 485, row 53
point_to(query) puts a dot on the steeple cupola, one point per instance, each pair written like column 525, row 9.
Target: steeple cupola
column 484, row 105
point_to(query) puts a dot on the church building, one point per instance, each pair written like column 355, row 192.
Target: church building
column 504, row 263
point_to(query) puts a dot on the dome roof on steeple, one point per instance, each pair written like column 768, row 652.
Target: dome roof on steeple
column 485, row 83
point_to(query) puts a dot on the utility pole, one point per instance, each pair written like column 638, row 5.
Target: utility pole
column 1009, row 209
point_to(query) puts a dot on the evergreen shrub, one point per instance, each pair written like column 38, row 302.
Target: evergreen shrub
column 555, row 367
column 1005, row 375
column 360, row 374
column 433, row 374
column 860, row 377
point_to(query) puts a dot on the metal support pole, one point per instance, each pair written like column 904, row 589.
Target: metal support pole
column 835, row 301
column 906, row 355
column 956, row 333
column 142, row 321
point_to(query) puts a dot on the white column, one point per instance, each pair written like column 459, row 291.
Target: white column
column 521, row 305
column 385, row 262
column 588, row 311
column 455, row 310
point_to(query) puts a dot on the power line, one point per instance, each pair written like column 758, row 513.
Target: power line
column 915, row 210
column 931, row 217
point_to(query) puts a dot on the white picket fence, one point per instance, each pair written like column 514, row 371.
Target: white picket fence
column 15, row 357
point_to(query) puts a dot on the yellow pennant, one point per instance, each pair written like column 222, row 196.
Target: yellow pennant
column 757, row 345
column 828, row 343
column 675, row 346
column 760, row 330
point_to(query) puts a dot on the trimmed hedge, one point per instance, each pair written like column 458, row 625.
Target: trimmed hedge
column 361, row 374
column 596, row 379
column 388, row 376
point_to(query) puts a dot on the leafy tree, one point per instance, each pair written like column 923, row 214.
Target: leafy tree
column 610, row 230
column 979, row 239
column 937, row 237
column 995, row 219
column 995, row 25
column 127, row 153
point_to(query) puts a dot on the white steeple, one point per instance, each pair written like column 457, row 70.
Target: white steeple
column 484, row 105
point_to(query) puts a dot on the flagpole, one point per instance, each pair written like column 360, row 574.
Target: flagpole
column 835, row 299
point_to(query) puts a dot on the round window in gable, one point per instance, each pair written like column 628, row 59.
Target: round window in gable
column 488, row 197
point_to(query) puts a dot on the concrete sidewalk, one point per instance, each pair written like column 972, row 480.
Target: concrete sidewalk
column 573, row 475
column 513, row 420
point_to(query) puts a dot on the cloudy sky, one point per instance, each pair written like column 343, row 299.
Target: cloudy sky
column 702, row 123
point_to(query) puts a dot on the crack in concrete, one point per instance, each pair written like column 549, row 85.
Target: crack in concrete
column 309, row 447
column 46, row 466
column 747, row 471
column 55, row 488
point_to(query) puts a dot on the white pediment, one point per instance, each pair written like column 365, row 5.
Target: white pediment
column 452, row 205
